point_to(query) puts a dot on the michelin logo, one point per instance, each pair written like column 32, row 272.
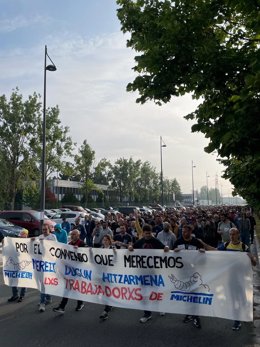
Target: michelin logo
column 17, row 269
column 184, row 291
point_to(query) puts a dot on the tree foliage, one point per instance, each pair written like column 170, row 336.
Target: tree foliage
column 211, row 50
column 84, row 160
column 211, row 194
column 138, row 182
column 69, row 198
column 18, row 135
column 83, row 163
column 244, row 178
column 21, row 143
column 102, row 172
column 58, row 142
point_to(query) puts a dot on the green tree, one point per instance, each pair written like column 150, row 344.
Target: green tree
column 68, row 172
column 242, row 176
column 171, row 191
column 90, row 191
column 83, row 163
column 138, row 182
column 148, row 183
column 69, row 198
column 175, row 189
column 59, row 144
column 102, row 172
column 134, row 168
column 119, row 180
column 204, row 193
column 31, row 194
column 214, row 196
column 18, row 135
column 211, row 50
column 3, row 183
column 125, row 179
column 21, row 142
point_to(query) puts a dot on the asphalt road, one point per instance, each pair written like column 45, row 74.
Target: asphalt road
column 22, row 325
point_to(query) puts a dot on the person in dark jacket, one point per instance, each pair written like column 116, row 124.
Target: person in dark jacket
column 148, row 241
column 80, row 227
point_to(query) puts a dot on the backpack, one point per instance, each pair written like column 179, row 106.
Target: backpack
column 228, row 242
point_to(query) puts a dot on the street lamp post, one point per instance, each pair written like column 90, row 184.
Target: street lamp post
column 192, row 179
column 162, row 144
column 207, row 187
column 216, row 189
column 50, row 67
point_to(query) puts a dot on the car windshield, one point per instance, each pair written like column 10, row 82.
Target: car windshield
column 5, row 223
column 57, row 215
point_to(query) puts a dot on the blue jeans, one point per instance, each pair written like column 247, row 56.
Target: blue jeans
column 15, row 291
column 44, row 298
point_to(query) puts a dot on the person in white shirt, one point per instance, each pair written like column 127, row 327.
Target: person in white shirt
column 166, row 236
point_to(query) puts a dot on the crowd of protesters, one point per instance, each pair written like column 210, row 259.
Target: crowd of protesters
column 208, row 228
column 210, row 224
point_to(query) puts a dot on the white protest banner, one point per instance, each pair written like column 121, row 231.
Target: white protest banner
column 216, row 284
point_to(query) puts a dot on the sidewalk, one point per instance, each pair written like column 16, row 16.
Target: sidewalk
column 256, row 287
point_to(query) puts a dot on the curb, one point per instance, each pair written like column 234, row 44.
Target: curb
column 255, row 250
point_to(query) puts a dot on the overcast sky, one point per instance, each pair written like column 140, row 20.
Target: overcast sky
column 93, row 68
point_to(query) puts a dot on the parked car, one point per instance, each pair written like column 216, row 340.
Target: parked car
column 49, row 213
column 9, row 229
column 157, row 207
column 97, row 215
column 70, row 217
column 74, row 208
column 145, row 209
column 103, row 211
column 57, row 210
column 128, row 209
column 28, row 219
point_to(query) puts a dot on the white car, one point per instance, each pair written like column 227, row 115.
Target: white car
column 97, row 215
column 70, row 217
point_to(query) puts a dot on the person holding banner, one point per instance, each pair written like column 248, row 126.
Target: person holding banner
column 45, row 299
column 123, row 239
column 15, row 292
column 107, row 242
column 76, row 242
column 236, row 245
column 189, row 242
column 99, row 232
column 148, row 241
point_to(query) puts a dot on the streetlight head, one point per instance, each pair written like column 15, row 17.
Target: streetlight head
column 163, row 145
column 51, row 68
